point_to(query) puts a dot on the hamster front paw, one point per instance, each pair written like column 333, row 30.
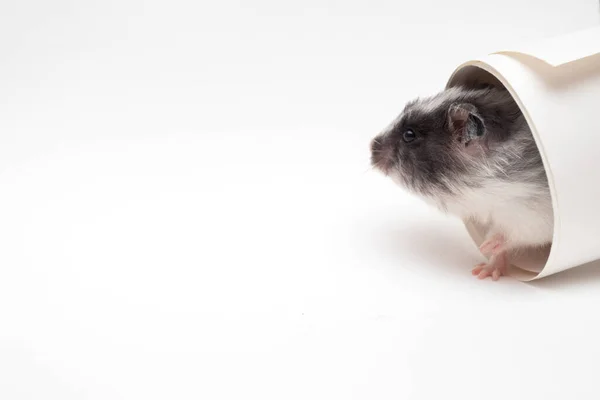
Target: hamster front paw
column 496, row 267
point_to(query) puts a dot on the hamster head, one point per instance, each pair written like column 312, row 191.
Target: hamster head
column 444, row 143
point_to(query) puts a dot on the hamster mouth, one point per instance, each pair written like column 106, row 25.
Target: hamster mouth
column 382, row 156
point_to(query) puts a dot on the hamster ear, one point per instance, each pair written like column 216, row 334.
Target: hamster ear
column 465, row 122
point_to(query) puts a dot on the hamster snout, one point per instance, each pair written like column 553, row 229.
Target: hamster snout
column 382, row 153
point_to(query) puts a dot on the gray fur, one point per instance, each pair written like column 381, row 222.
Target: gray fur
column 438, row 161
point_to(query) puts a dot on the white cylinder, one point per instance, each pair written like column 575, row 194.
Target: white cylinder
column 556, row 83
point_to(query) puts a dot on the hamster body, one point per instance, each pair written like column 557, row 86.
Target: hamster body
column 470, row 153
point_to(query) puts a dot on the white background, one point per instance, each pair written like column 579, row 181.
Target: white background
column 187, row 209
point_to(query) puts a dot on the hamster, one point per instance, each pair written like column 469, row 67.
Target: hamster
column 470, row 153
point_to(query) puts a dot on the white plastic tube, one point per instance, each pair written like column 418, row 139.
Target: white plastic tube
column 556, row 83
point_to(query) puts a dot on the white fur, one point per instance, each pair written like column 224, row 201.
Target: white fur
column 433, row 103
column 521, row 212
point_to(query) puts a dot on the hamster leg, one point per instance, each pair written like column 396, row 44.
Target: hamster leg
column 495, row 267
column 493, row 245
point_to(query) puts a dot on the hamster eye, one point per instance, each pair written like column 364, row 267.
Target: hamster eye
column 409, row 135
